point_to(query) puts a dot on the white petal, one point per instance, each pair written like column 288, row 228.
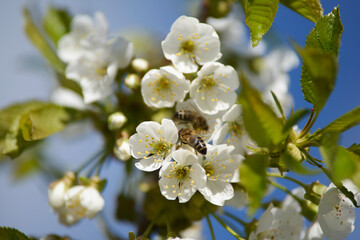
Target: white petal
column 314, row 232
column 217, row 192
column 150, row 164
column 169, row 130
column 232, row 114
column 92, row 200
column 220, row 134
column 336, row 214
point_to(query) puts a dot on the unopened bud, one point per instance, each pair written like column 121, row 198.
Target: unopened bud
column 122, row 149
column 140, row 65
column 132, row 81
column 58, row 188
column 116, row 121
column 314, row 192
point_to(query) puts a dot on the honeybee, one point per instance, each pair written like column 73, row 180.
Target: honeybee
column 190, row 137
column 198, row 122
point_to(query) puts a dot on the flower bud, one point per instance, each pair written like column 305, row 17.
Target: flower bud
column 116, row 121
column 122, row 149
column 58, row 188
column 140, row 65
column 132, row 81
column 314, row 192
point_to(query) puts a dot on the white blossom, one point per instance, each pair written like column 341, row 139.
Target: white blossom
column 68, row 98
column 279, row 224
column 221, row 168
column 80, row 202
column 163, row 87
column 232, row 132
column 190, row 43
column 122, row 149
column 314, row 232
column 214, row 88
column 96, row 72
column 272, row 75
column 85, row 35
column 194, row 231
column 153, row 144
column 336, row 214
column 182, row 177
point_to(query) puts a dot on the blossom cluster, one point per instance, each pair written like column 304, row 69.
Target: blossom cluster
column 201, row 147
column 74, row 202
column 195, row 164
column 92, row 59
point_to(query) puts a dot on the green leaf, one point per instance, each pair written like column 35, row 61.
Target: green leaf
column 56, row 23
column 318, row 76
column 260, row 121
column 43, row 122
column 21, row 124
column 355, row 148
column 253, row 179
column 310, row 9
column 345, row 122
column 12, row 234
column 10, row 136
column 324, row 37
column 342, row 162
column 36, row 37
column 259, row 16
column 294, row 119
column 278, row 104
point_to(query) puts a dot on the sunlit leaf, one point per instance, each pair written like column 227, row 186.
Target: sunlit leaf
column 43, row 122
column 341, row 162
column 325, row 37
column 260, row 121
column 21, row 125
column 259, row 16
column 56, row 23
column 36, row 37
column 310, row 9
column 345, row 122
column 318, row 76
column 253, row 179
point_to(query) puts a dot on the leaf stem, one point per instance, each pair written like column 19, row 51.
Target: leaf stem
column 227, row 228
column 338, row 184
column 87, row 162
column 281, row 187
column 288, row 178
column 310, row 122
column 210, row 227
column 235, row 218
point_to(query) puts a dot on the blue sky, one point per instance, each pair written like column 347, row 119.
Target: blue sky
column 24, row 76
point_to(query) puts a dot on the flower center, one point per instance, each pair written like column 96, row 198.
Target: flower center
column 208, row 81
column 101, row 71
column 236, row 128
column 182, row 172
column 209, row 170
column 161, row 148
column 187, row 46
column 163, row 83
